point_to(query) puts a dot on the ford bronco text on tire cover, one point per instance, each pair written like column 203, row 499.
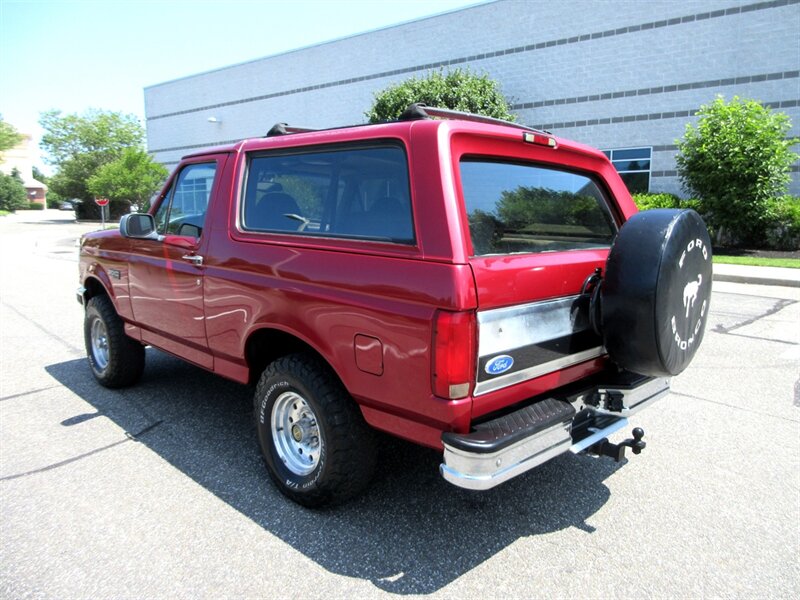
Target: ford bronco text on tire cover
column 468, row 284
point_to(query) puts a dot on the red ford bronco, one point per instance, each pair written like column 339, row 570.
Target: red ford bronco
column 468, row 284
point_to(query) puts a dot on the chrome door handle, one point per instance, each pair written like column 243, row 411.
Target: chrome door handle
column 195, row 259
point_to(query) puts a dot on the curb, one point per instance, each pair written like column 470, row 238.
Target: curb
column 779, row 276
column 757, row 280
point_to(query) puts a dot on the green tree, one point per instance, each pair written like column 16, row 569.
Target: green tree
column 38, row 175
column 131, row 179
column 12, row 193
column 457, row 90
column 53, row 200
column 78, row 145
column 735, row 161
column 9, row 137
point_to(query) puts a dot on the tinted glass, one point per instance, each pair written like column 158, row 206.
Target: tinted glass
column 629, row 153
column 637, row 183
column 515, row 208
column 359, row 193
column 185, row 212
column 623, row 166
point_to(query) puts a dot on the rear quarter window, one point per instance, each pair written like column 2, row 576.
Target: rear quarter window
column 522, row 208
column 359, row 193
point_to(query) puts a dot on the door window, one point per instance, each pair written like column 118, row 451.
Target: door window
column 183, row 210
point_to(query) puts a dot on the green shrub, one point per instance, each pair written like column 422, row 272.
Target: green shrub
column 54, row 200
column 35, row 206
column 12, row 193
column 650, row 201
column 736, row 160
column 694, row 204
column 458, row 89
column 783, row 231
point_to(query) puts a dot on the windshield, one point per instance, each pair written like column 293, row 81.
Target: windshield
column 522, row 208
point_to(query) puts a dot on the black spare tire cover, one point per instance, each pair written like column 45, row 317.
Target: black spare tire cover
column 656, row 292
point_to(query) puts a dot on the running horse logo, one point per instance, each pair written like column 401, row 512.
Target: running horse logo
column 690, row 293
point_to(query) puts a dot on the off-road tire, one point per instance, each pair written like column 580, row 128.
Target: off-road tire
column 119, row 360
column 345, row 461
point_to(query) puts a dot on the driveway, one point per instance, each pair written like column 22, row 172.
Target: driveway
column 158, row 491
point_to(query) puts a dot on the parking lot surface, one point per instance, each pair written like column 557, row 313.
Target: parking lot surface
column 158, row 491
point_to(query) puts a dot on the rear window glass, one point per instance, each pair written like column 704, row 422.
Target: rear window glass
column 354, row 193
column 514, row 208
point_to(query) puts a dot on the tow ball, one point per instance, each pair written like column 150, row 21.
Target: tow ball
column 617, row 451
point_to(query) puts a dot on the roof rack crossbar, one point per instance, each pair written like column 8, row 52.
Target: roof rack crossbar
column 419, row 110
column 284, row 129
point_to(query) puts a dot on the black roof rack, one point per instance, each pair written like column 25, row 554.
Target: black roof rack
column 419, row 110
column 414, row 112
column 284, row 129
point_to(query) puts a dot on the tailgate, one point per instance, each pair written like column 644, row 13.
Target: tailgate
column 538, row 232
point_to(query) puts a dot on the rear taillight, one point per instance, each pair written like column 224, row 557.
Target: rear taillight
column 454, row 346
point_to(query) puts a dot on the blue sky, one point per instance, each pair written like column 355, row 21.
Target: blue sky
column 75, row 55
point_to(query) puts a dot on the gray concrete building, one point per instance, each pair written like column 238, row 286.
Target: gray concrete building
column 621, row 75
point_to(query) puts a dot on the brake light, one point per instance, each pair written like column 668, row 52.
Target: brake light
column 539, row 139
column 453, row 354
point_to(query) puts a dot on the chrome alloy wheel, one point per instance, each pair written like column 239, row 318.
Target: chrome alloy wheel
column 296, row 433
column 99, row 337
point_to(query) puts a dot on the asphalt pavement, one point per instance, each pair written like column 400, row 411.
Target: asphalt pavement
column 158, row 491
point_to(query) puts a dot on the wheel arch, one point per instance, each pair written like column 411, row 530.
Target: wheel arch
column 267, row 344
column 93, row 286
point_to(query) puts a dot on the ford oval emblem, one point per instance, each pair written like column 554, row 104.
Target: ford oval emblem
column 499, row 364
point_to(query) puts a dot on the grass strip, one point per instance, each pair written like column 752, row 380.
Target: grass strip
column 758, row 261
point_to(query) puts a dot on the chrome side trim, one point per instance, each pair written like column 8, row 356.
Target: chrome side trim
column 484, row 387
column 485, row 471
column 504, row 329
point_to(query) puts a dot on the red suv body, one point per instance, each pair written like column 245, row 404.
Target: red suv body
column 442, row 279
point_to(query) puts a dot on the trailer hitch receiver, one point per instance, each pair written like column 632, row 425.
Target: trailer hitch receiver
column 617, row 451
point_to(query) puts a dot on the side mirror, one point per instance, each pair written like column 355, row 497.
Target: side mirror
column 139, row 226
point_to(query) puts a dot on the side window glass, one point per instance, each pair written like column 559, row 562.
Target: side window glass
column 161, row 213
column 358, row 193
column 185, row 212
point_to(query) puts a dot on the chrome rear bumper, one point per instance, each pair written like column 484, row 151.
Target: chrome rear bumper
column 500, row 449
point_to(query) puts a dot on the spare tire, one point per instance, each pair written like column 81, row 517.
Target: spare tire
column 656, row 291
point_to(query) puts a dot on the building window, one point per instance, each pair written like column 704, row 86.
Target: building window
column 633, row 166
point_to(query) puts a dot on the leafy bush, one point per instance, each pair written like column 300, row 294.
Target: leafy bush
column 783, row 232
column 736, row 160
column 650, row 201
column 12, row 193
column 54, row 200
column 35, row 206
column 457, row 90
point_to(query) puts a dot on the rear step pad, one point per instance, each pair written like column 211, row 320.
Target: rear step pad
column 502, row 432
